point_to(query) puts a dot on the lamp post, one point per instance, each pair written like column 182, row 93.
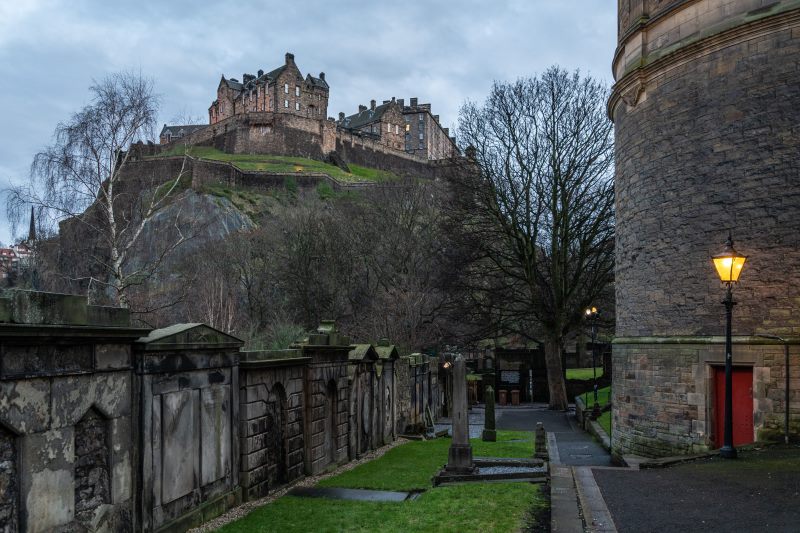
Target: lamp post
column 591, row 314
column 729, row 266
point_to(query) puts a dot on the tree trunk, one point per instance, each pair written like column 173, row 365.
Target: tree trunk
column 555, row 374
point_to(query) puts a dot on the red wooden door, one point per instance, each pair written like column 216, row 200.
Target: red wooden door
column 742, row 405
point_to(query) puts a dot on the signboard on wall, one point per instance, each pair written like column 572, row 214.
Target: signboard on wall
column 509, row 376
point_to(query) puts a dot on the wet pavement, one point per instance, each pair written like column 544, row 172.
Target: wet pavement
column 575, row 446
column 759, row 491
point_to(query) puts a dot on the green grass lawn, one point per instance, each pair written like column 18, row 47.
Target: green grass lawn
column 282, row 164
column 411, row 466
column 583, row 373
column 456, row 508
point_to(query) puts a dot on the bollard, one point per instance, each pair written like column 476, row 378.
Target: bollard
column 541, row 442
column 489, row 433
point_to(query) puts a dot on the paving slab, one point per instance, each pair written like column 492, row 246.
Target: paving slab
column 360, row 495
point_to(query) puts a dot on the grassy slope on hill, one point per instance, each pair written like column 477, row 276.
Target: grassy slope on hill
column 283, row 164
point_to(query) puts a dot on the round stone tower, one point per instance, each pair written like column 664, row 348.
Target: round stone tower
column 706, row 109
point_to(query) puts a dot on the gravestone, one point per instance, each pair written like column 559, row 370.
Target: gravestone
column 459, row 458
column 489, row 433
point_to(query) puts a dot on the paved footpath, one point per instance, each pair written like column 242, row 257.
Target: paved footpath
column 574, row 495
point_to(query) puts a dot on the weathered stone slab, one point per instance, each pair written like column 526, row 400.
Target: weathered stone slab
column 215, row 432
column 180, row 441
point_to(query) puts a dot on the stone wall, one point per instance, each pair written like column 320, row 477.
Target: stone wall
column 66, row 423
column 108, row 427
column 663, row 394
column 705, row 119
column 189, row 392
column 272, row 424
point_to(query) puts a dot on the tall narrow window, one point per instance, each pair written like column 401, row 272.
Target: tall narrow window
column 286, row 88
column 297, row 106
column 297, row 91
column 388, row 128
column 396, row 129
column 286, row 103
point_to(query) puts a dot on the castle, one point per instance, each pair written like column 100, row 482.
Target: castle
column 280, row 102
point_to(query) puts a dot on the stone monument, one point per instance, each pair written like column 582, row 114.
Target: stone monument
column 489, row 433
column 459, row 458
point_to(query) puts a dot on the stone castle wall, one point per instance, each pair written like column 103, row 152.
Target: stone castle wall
column 706, row 119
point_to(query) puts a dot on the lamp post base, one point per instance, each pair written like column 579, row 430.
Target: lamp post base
column 727, row 452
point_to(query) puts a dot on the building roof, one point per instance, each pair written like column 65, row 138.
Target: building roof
column 232, row 83
column 368, row 116
column 317, row 82
column 361, row 352
column 180, row 131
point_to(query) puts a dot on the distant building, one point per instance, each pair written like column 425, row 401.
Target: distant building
column 383, row 122
column 174, row 133
column 411, row 128
column 282, row 90
column 9, row 263
column 424, row 135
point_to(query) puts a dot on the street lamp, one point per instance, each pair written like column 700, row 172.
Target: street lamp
column 729, row 266
column 591, row 314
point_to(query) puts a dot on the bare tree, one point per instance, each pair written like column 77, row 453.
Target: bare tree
column 78, row 181
column 536, row 205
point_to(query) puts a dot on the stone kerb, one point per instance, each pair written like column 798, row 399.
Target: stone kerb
column 189, row 397
column 66, row 432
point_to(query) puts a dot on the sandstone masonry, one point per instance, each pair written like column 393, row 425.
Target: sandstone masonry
column 705, row 113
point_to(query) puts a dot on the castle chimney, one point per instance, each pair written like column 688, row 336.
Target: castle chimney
column 362, row 108
column 392, row 99
column 436, row 118
column 322, row 76
column 446, row 132
column 385, row 102
column 414, row 102
column 401, row 102
column 372, row 104
column 341, row 116
column 289, row 58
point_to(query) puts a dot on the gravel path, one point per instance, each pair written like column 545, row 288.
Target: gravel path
column 309, row 481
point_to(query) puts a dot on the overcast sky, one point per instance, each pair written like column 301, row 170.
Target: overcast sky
column 441, row 51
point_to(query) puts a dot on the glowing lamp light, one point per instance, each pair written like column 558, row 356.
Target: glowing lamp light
column 729, row 263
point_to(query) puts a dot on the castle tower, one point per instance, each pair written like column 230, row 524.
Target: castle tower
column 706, row 109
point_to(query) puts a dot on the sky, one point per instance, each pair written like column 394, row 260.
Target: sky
column 444, row 52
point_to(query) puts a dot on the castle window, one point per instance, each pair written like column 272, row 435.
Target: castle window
column 388, row 128
column 421, row 117
column 421, row 136
column 297, row 106
column 396, row 129
column 297, row 91
column 286, row 88
column 286, row 103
